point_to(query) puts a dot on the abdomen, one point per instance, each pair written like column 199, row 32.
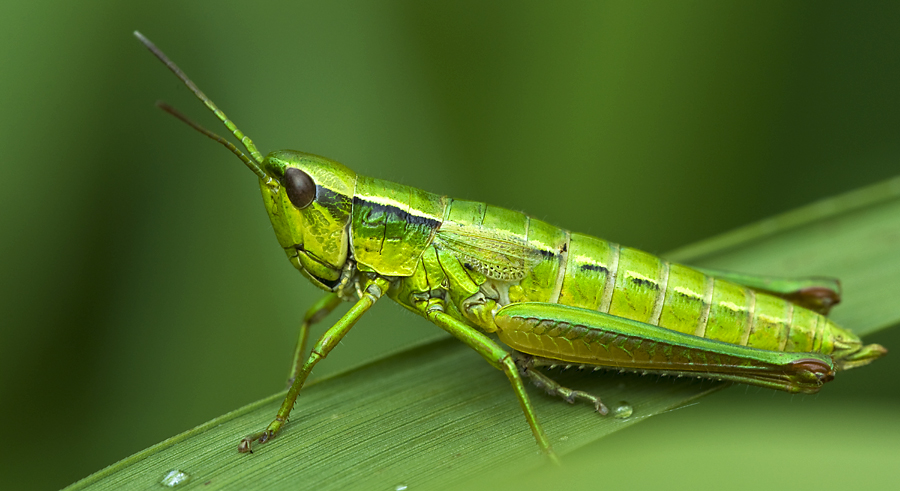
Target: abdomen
column 528, row 260
column 636, row 285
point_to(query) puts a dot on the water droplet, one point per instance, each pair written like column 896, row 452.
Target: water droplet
column 175, row 477
column 400, row 487
column 623, row 410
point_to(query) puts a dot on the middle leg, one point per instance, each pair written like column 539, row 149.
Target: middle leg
column 527, row 367
column 500, row 359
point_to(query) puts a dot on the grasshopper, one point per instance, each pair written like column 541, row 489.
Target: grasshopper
column 554, row 297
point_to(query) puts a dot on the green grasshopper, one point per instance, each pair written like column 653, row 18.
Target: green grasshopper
column 554, row 297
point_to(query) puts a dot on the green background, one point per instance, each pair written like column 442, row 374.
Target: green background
column 143, row 292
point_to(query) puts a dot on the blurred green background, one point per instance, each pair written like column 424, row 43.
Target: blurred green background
column 143, row 292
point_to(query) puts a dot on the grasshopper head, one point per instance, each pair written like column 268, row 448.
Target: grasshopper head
column 309, row 199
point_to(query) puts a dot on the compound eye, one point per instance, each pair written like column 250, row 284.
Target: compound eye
column 301, row 189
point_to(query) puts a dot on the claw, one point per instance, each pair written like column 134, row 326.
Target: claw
column 246, row 445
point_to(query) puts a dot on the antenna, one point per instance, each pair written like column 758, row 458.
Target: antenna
column 230, row 146
column 253, row 163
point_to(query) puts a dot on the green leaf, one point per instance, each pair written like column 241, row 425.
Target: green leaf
column 437, row 415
